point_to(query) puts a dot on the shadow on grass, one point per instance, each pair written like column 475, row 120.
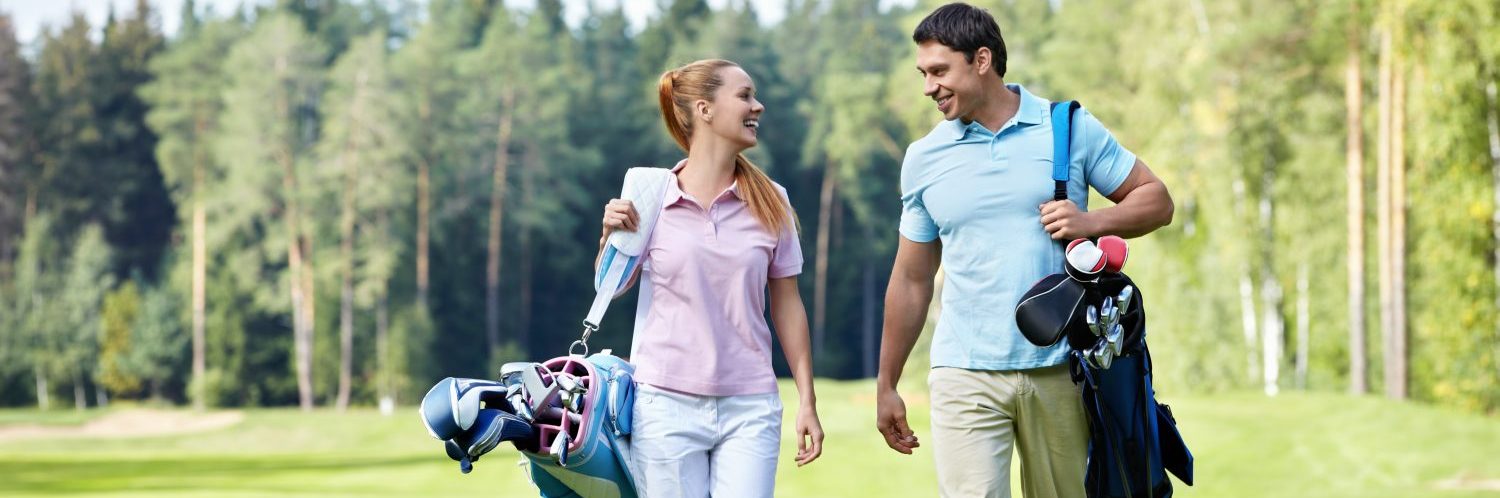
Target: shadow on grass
column 266, row 473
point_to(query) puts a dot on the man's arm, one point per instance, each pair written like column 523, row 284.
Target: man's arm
column 906, row 300
column 1142, row 205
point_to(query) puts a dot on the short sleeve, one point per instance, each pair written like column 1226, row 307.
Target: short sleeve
column 1106, row 163
column 916, row 224
column 786, row 259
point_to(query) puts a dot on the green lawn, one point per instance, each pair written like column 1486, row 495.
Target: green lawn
column 1312, row 445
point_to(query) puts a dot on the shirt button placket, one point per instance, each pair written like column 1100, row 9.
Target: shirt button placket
column 711, row 229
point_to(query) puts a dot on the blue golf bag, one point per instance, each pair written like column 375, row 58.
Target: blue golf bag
column 587, row 456
column 569, row 416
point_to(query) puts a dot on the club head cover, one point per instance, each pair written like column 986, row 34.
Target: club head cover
column 491, row 427
column 452, row 405
column 464, row 464
column 1115, row 250
column 1052, row 307
column 1084, row 260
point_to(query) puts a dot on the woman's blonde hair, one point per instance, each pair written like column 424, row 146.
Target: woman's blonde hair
column 679, row 88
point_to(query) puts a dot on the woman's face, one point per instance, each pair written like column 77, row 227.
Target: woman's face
column 734, row 114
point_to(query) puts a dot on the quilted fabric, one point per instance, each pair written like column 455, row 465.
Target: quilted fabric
column 644, row 187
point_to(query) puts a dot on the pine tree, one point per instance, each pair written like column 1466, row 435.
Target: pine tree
column 273, row 77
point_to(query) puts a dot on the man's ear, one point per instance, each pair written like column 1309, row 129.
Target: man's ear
column 702, row 111
column 984, row 61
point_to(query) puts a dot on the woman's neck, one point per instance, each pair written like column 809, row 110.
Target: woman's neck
column 709, row 170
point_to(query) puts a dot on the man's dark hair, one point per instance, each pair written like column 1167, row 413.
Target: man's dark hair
column 963, row 28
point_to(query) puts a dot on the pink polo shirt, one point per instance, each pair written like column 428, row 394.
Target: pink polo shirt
column 704, row 330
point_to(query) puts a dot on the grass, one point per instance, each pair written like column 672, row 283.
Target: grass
column 1246, row 445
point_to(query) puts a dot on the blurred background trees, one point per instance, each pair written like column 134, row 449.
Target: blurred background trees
column 337, row 202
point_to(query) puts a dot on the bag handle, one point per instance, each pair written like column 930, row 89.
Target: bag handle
column 1062, row 139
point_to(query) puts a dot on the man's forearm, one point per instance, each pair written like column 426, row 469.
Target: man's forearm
column 1144, row 210
column 906, row 304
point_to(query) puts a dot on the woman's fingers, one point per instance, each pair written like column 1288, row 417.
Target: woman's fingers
column 621, row 214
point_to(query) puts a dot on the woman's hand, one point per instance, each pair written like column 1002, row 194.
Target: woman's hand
column 809, row 435
column 619, row 214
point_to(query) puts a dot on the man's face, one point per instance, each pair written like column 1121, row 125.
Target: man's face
column 950, row 80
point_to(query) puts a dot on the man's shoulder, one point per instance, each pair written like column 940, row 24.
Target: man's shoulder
column 940, row 134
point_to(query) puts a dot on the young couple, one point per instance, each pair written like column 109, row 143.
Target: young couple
column 976, row 198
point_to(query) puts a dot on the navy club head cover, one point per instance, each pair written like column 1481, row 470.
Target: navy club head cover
column 452, row 405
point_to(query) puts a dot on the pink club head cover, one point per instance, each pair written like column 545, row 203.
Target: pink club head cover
column 1115, row 252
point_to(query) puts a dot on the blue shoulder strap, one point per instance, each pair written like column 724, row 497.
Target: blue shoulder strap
column 1062, row 138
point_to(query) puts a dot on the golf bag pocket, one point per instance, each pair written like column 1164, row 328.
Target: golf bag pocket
column 1174, row 452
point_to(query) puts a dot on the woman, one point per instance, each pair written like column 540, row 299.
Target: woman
column 707, row 418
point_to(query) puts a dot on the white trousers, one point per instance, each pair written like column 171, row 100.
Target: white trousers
column 689, row 446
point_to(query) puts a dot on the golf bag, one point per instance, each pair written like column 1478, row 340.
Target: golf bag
column 569, row 416
column 1133, row 440
column 587, row 455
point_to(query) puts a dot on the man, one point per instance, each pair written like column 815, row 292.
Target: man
column 976, row 196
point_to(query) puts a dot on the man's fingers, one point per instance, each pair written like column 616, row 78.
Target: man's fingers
column 1051, row 216
column 898, row 435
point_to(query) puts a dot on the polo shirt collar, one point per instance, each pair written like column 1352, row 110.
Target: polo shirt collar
column 674, row 191
column 1033, row 109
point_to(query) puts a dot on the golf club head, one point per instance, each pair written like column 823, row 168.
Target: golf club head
column 1105, row 360
column 540, row 386
column 575, row 404
column 1111, row 314
column 567, row 382
column 1126, row 295
column 1091, row 317
column 1100, row 356
column 510, row 373
column 1115, row 339
column 560, row 448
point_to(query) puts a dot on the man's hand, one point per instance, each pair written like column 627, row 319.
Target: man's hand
column 1064, row 221
column 890, row 419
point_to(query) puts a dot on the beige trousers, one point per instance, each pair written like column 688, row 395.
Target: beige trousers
column 979, row 417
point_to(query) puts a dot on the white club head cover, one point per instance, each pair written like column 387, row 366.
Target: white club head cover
column 1084, row 257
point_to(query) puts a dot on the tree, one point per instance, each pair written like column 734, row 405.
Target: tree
column 120, row 313
column 424, row 72
column 358, row 154
column 1354, row 174
column 86, row 281
column 15, row 102
column 273, row 76
column 186, row 107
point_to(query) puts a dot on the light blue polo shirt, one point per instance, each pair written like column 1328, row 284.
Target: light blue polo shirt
column 980, row 192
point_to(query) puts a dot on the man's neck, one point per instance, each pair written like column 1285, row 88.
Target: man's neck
column 1000, row 104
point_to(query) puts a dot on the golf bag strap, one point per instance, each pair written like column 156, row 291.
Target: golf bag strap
column 644, row 187
column 1062, row 139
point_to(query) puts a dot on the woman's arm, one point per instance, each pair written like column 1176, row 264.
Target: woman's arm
column 619, row 214
column 790, row 318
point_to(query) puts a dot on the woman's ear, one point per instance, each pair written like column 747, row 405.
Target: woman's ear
column 704, row 111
